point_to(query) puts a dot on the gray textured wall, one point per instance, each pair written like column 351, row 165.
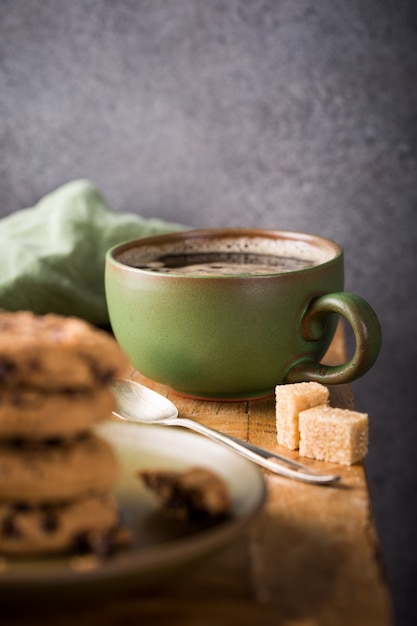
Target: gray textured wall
column 288, row 114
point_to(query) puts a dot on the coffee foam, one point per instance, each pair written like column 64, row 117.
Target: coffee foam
column 140, row 255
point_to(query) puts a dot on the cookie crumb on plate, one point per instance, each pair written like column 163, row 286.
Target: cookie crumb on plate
column 194, row 493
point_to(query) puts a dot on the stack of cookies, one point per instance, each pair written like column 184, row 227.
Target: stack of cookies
column 56, row 475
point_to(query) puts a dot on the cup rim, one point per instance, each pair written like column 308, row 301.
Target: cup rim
column 223, row 233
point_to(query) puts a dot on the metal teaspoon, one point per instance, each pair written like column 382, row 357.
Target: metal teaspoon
column 137, row 403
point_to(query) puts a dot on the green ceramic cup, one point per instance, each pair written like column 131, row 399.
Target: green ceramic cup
column 230, row 313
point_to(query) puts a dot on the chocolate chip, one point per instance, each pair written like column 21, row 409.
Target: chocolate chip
column 101, row 372
column 93, row 543
column 17, row 442
column 49, row 522
column 81, row 543
column 9, row 528
column 21, row 507
column 53, row 442
column 76, row 393
column 106, row 375
column 6, row 368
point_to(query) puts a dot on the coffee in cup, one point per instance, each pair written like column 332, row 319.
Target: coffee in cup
column 228, row 256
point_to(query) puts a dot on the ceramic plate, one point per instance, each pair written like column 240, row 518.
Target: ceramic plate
column 160, row 546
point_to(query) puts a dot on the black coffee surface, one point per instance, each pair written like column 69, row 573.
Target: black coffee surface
column 226, row 263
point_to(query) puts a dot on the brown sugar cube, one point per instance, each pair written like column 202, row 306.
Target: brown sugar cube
column 289, row 401
column 334, row 435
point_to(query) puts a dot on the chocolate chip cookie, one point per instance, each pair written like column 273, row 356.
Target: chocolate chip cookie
column 39, row 414
column 55, row 352
column 55, row 471
column 34, row 529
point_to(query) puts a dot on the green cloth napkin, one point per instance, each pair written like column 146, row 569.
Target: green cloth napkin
column 52, row 255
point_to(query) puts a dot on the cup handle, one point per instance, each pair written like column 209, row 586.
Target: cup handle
column 367, row 333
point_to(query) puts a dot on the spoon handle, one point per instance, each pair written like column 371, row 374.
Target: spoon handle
column 268, row 460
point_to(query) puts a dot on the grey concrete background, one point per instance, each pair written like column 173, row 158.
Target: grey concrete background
column 282, row 114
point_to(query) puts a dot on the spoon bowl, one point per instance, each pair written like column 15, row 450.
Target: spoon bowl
column 140, row 404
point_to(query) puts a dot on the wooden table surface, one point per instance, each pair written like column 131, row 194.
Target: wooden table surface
column 310, row 558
